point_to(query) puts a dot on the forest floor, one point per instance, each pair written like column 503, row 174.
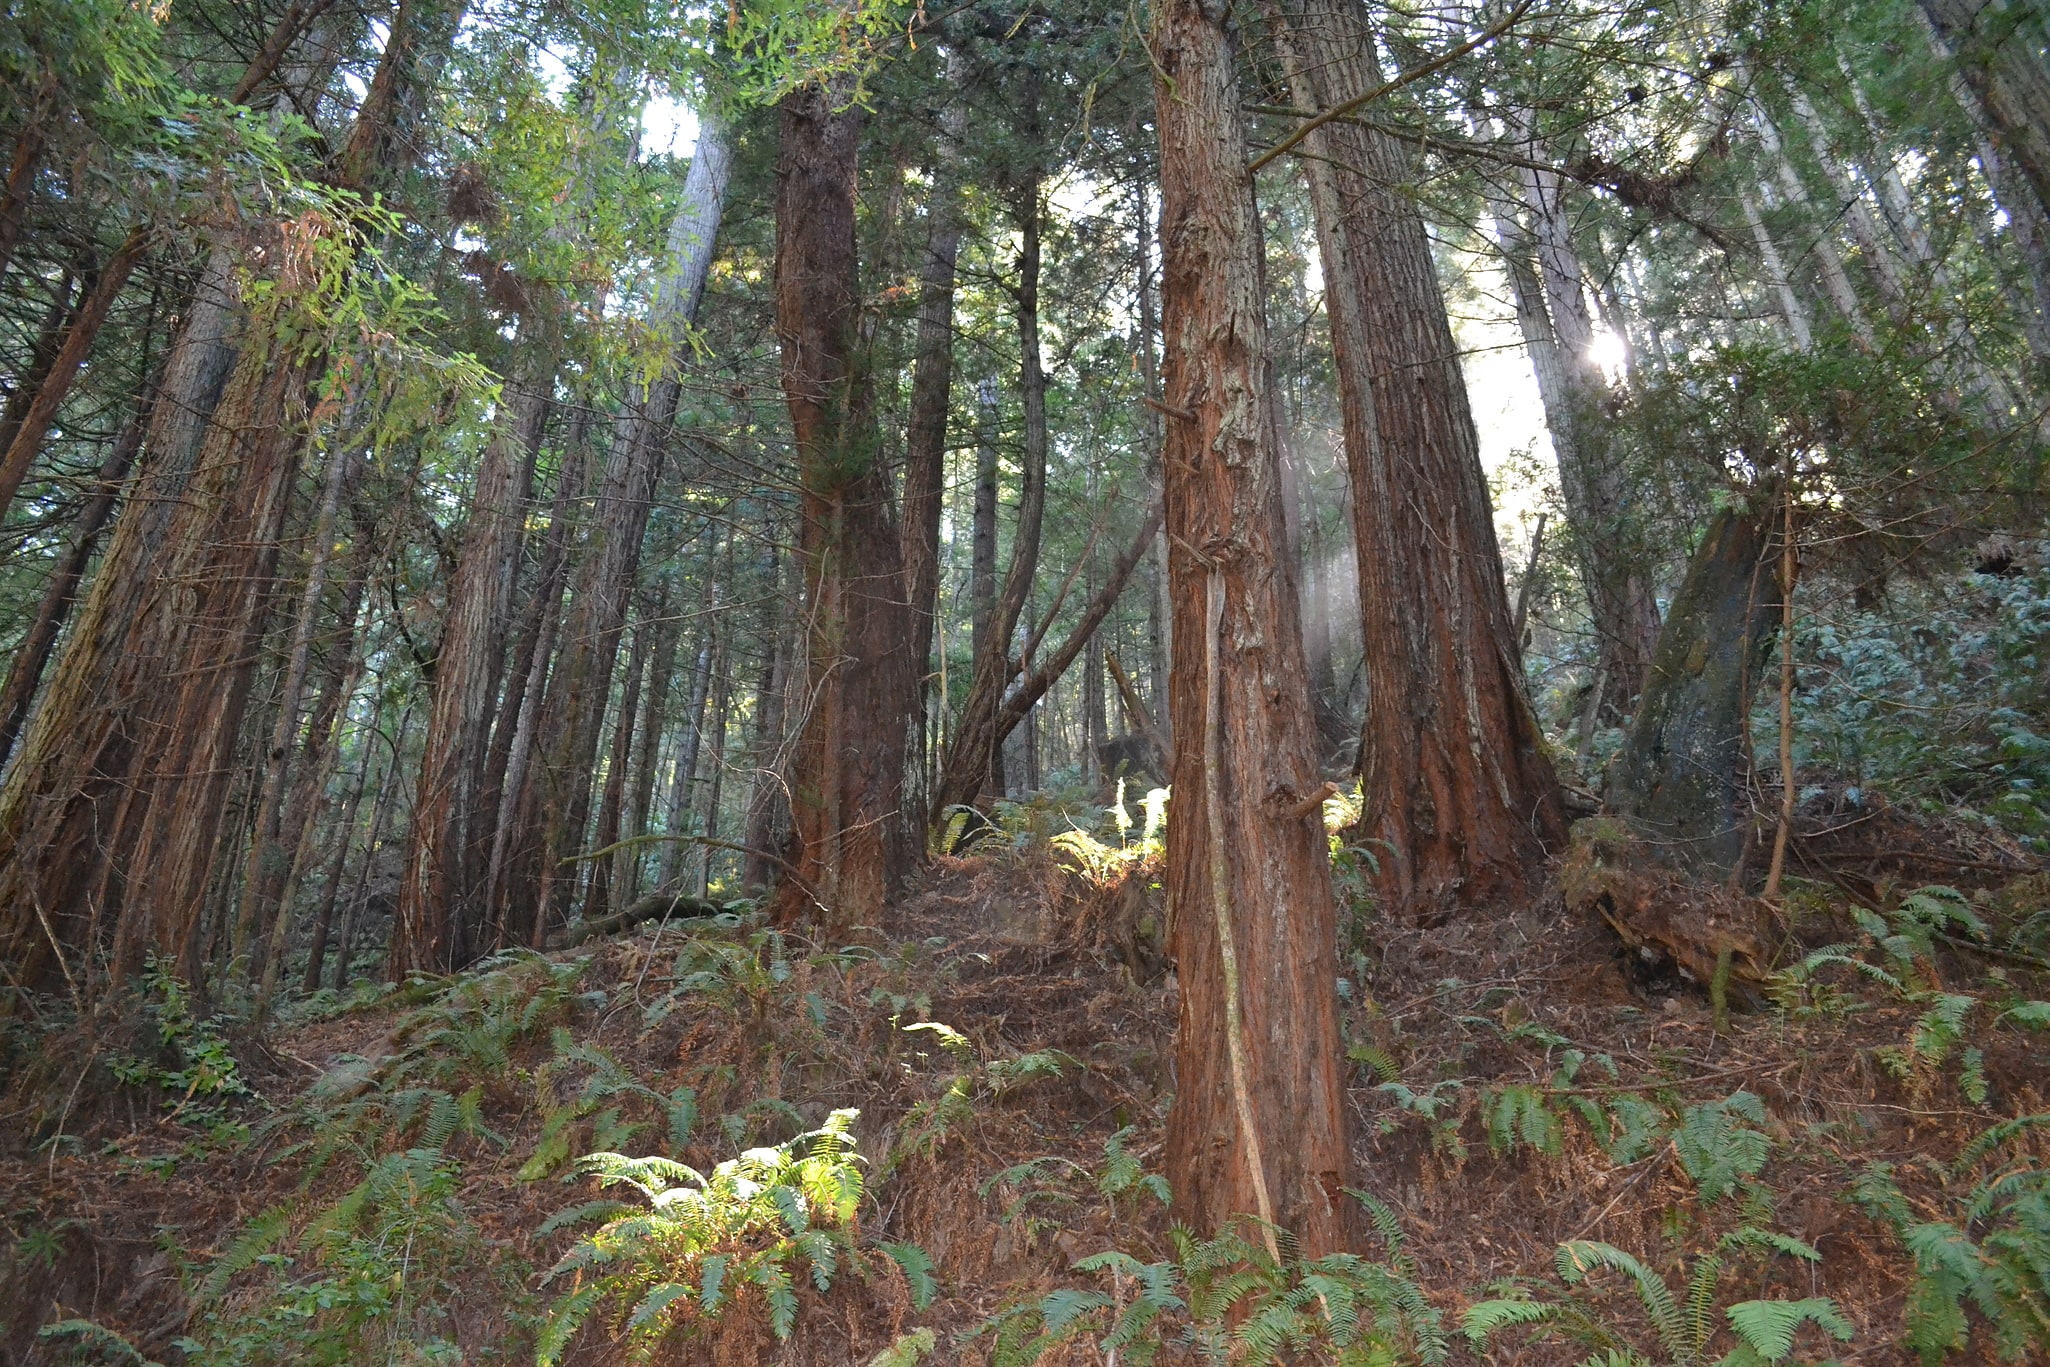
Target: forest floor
column 383, row 1192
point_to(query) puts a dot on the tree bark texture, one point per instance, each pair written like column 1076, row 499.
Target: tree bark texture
column 1459, row 792
column 32, row 657
column 111, row 816
column 848, row 779
column 442, row 895
column 1680, row 779
column 1258, row 1123
column 268, row 865
column 580, row 686
column 971, row 767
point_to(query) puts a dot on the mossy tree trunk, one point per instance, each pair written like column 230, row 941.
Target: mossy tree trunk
column 1681, row 778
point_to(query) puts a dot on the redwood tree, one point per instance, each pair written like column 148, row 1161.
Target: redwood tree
column 1460, row 797
column 1258, row 1123
column 849, row 845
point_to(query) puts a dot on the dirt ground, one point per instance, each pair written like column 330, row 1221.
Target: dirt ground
column 1022, row 956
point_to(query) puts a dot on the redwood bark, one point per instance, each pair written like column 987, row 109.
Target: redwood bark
column 111, row 816
column 604, row 582
column 1461, row 800
column 850, row 846
column 683, row 779
column 269, row 861
column 1258, row 1123
column 61, row 592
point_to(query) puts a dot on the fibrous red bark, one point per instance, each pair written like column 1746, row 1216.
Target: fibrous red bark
column 1461, row 801
column 1258, row 1123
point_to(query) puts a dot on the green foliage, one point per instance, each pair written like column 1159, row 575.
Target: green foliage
column 703, row 1241
column 367, row 1279
column 1718, row 1146
column 1944, row 707
column 1123, row 1173
column 933, row 1119
column 1105, row 864
column 1683, row 1326
column 603, row 1080
column 1233, row 1300
column 907, row 1350
column 1992, row 1255
column 189, row 1058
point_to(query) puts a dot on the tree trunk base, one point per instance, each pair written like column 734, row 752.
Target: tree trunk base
column 1720, row 941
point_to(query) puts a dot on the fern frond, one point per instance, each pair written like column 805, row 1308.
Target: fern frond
column 1768, row 1327
column 917, row 1268
column 259, row 1238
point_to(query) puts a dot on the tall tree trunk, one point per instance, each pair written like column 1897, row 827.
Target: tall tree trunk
column 605, row 578
column 320, row 753
column 932, row 368
column 27, row 440
column 971, row 762
column 1035, row 682
column 330, row 893
column 708, row 822
column 1776, row 277
column 768, row 806
column 2000, row 47
column 627, row 864
column 387, row 787
column 507, row 790
column 268, row 865
column 42, row 356
column 1460, row 795
column 1836, row 280
column 982, row 557
column 442, row 896
column 684, row 776
column 1605, row 526
column 851, row 849
column 28, row 156
column 603, row 895
column 111, row 817
column 1258, row 1124
column 1159, row 611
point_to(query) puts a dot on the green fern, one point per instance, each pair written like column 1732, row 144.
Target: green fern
column 750, row 1222
column 1684, row 1326
column 1992, row 1256
column 1717, row 1148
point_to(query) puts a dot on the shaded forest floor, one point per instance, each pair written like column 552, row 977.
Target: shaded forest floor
column 385, row 1189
